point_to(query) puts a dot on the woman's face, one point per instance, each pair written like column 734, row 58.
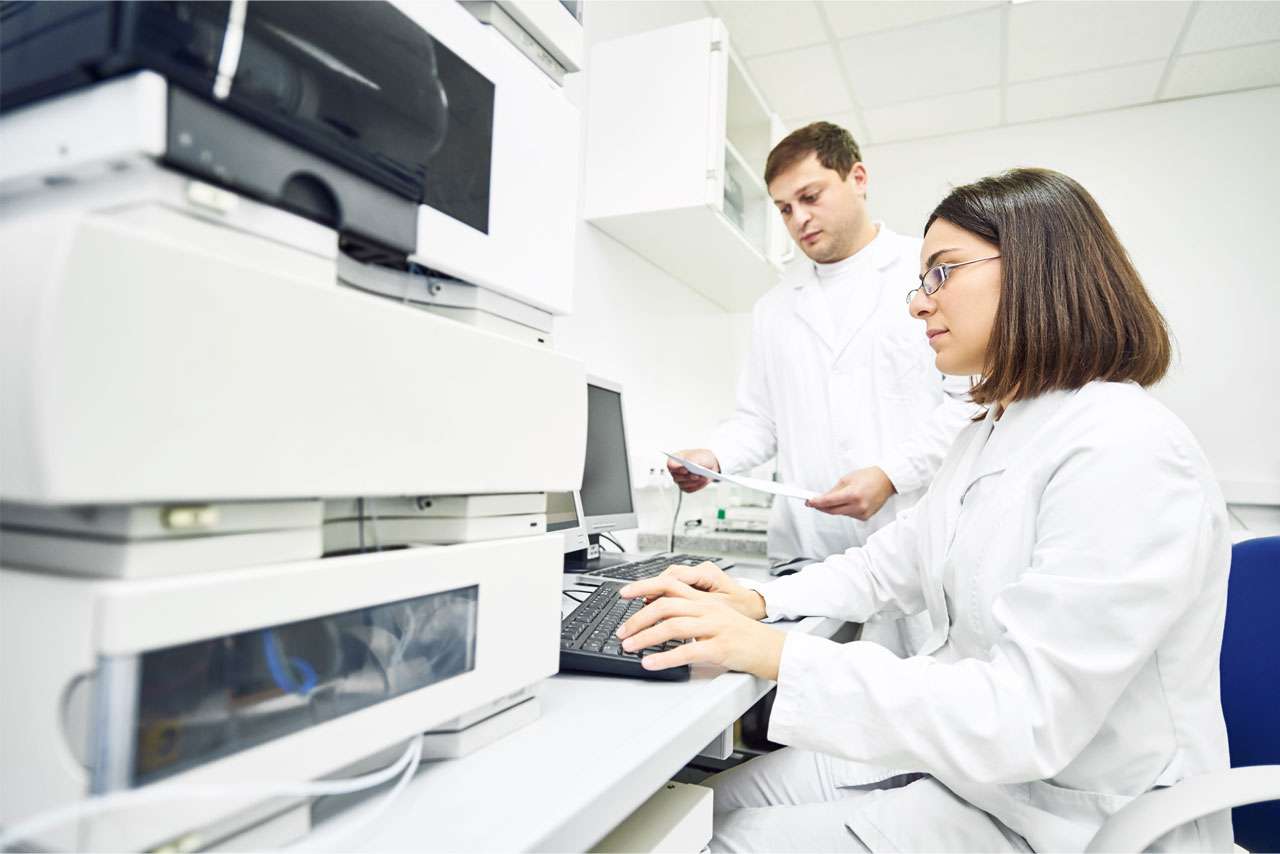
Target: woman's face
column 959, row 316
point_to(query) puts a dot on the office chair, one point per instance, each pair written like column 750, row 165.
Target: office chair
column 1251, row 705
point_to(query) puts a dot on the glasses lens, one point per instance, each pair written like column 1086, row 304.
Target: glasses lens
column 933, row 279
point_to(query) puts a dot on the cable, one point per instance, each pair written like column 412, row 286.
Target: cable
column 671, row 544
column 570, row 595
column 280, row 673
column 49, row 819
column 360, row 520
column 347, row 828
column 373, row 525
column 615, row 542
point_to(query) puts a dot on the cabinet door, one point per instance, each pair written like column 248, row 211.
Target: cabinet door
column 656, row 120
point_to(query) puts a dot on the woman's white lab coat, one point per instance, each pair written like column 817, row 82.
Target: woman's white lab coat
column 1073, row 559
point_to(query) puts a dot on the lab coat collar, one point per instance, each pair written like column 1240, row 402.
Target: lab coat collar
column 812, row 306
column 1013, row 434
column 881, row 249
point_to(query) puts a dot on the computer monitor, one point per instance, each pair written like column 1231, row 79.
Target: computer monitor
column 564, row 515
column 607, row 503
column 605, row 498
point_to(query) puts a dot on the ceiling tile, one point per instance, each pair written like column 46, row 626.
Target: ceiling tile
column 1231, row 23
column 1053, row 37
column 1224, row 70
column 934, row 58
column 1083, row 93
column 934, row 116
column 601, row 21
column 857, row 18
column 848, row 121
column 769, row 26
column 801, row 82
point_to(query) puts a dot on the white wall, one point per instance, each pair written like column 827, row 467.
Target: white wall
column 1193, row 190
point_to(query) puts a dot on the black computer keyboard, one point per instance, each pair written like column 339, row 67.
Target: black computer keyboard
column 651, row 566
column 589, row 640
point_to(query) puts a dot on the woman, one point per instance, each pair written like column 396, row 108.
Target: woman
column 1072, row 553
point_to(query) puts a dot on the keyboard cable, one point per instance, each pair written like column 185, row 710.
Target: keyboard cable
column 671, row 541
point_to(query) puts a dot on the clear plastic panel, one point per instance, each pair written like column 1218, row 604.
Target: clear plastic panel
column 205, row 700
column 365, row 85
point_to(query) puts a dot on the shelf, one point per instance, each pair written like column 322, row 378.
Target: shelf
column 702, row 248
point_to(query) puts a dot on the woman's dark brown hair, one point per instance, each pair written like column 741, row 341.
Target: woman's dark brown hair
column 1072, row 307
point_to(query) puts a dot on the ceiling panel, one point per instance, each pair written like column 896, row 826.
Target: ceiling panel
column 934, row 116
column 1083, row 93
column 899, row 70
column 1053, row 37
column 934, row 58
column 857, row 18
column 1224, row 70
column 769, row 26
column 801, row 82
column 601, row 21
column 1231, row 23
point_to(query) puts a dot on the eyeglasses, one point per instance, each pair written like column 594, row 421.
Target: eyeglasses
column 936, row 277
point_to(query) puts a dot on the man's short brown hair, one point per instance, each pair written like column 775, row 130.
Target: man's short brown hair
column 1073, row 308
column 835, row 147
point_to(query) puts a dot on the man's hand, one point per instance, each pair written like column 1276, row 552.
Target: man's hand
column 859, row 494
column 715, row 632
column 687, row 480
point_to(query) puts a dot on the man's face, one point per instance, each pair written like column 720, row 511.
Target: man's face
column 823, row 213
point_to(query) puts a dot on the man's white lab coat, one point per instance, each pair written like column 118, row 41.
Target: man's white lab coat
column 830, row 398
column 1073, row 559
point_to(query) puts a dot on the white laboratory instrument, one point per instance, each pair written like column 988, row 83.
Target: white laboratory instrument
column 281, row 673
column 186, row 378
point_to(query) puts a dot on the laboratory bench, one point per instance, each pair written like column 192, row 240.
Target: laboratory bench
column 750, row 545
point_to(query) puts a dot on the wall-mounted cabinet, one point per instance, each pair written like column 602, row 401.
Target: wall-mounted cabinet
column 676, row 142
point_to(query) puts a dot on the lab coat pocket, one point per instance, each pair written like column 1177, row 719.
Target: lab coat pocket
column 1081, row 810
column 925, row 815
column 1073, row 804
column 899, row 369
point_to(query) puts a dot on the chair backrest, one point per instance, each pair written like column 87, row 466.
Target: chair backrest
column 1250, row 667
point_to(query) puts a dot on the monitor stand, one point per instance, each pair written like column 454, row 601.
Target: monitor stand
column 593, row 558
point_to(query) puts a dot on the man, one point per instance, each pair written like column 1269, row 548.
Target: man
column 839, row 383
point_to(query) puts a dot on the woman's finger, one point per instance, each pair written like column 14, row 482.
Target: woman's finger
column 677, row 628
column 657, row 587
column 662, row 609
column 693, row 652
column 704, row 576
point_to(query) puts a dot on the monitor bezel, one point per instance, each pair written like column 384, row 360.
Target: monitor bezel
column 612, row 521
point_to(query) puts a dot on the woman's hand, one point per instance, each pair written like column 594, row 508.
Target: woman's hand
column 714, row 630
column 706, row 579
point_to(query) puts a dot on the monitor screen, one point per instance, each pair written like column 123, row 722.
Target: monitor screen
column 606, row 478
column 562, row 512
